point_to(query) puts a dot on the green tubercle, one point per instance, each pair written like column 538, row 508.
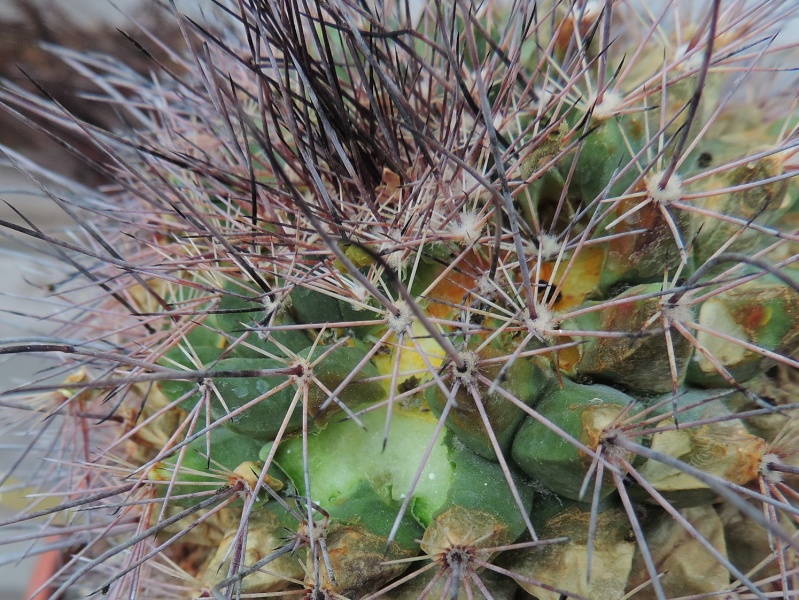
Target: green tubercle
column 581, row 411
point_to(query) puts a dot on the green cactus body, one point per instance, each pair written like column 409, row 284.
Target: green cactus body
column 524, row 380
column 460, row 495
column 581, row 411
column 271, row 335
column 609, row 145
column 197, row 470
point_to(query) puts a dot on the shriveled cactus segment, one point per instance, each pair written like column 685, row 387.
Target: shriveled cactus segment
column 565, row 565
column 265, row 534
column 688, row 567
column 726, row 452
column 749, row 546
column 751, row 200
column 356, row 541
column 640, row 360
column 437, row 586
column 647, row 241
column 763, row 314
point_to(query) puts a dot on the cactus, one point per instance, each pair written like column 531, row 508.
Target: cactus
column 441, row 300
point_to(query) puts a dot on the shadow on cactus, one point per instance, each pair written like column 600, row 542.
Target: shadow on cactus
column 430, row 301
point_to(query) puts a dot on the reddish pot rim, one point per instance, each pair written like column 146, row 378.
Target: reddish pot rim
column 40, row 584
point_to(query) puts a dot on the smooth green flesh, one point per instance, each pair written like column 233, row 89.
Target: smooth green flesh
column 343, row 455
column 549, row 458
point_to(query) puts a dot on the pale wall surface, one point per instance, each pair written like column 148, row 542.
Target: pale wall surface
column 94, row 10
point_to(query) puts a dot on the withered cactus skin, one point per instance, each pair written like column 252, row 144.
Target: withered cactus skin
column 436, row 300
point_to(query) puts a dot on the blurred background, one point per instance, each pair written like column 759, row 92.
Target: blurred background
column 28, row 30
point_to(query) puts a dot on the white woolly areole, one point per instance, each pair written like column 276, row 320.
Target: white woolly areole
column 591, row 12
column 466, row 375
column 682, row 313
column 393, row 256
column 485, row 287
column 692, row 63
column 766, row 472
column 395, row 260
column 270, row 304
column 530, row 248
column 548, row 246
column 544, row 322
column 609, row 106
column 360, row 293
column 671, row 193
column 402, row 320
column 467, row 228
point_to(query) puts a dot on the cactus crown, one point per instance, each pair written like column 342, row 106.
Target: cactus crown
column 431, row 300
